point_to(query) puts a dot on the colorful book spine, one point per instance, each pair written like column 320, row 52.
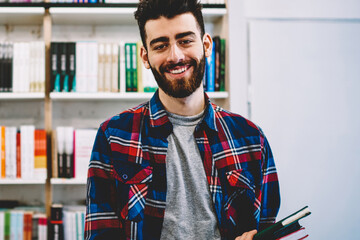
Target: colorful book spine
column 210, row 71
column 55, row 67
column 128, row 67
column 134, row 64
column 222, row 63
column 71, row 66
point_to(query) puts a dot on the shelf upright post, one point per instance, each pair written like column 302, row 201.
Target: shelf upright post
column 47, row 25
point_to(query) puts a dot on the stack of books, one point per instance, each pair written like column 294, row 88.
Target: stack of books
column 288, row 228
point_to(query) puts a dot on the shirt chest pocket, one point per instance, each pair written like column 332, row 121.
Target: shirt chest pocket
column 133, row 181
column 240, row 206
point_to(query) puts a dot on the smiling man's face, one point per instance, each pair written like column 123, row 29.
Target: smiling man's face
column 176, row 53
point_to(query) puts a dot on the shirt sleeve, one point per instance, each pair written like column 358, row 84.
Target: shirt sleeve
column 270, row 192
column 102, row 221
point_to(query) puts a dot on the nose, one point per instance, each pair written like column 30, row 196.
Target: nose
column 175, row 54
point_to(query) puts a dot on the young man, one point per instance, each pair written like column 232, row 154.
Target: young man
column 178, row 166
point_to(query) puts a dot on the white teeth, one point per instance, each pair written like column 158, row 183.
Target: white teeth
column 177, row 71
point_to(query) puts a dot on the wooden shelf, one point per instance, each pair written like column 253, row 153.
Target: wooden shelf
column 117, row 96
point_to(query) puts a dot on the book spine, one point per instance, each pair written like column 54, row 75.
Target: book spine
column 9, row 66
column 114, row 68
column 32, row 52
column 122, row 68
column 40, row 160
column 134, row 67
column 55, row 73
column 56, row 231
column 222, row 63
column 210, row 71
column 54, row 153
column 108, row 64
column 3, row 164
column 69, row 156
column 216, row 40
column 64, row 78
column 18, row 154
column 101, row 66
column 71, row 49
column 60, row 133
column 7, row 225
column 2, row 63
column 128, row 67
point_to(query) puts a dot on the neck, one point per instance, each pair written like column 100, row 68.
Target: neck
column 188, row 106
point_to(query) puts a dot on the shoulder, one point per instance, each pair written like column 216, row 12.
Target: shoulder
column 235, row 122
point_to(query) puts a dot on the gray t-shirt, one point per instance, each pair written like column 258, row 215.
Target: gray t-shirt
column 189, row 212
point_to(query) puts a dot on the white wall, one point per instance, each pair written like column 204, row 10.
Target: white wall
column 302, row 61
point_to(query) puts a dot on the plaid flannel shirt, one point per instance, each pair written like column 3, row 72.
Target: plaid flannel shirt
column 126, row 187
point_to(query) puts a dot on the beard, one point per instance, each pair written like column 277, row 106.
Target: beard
column 180, row 88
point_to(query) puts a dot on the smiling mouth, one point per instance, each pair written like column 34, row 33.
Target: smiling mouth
column 178, row 70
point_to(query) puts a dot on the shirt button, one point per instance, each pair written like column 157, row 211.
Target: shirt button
column 124, row 176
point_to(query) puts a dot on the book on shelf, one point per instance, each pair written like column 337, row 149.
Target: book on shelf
column 287, row 228
column 56, row 226
column 74, row 221
column 23, row 152
column 73, row 151
column 25, row 223
column 22, row 67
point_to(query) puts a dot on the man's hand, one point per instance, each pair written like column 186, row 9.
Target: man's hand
column 247, row 235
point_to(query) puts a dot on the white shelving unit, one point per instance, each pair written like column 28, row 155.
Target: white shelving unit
column 49, row 110
column 22, row 96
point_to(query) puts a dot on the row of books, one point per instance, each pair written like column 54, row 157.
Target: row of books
column 22, row 66
column 71, row 149
column 215, row 67
column 67, row 222
column 90, row 66
column 23, row 152
column 23, row 223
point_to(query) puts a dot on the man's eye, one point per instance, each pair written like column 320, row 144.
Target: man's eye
column 185, row 41
column 160, row 47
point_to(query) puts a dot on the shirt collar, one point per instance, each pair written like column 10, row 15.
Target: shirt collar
column 158, row 115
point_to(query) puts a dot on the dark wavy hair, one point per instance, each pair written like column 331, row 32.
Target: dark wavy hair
column 154, row 9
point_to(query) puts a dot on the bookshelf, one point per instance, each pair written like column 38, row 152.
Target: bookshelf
column 69, row 22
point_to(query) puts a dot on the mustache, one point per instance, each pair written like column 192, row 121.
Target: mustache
column 169, row 66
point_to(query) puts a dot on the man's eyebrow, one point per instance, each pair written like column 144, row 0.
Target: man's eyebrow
column 184, row 34
column 159, row 39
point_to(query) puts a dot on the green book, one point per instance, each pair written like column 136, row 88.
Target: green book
column 222, row 64
column 128, row 67
column 272, row 232
column 7, row 231
column 134, row 67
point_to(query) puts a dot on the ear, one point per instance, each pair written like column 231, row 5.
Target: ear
column 144, row 57
column 208, row 43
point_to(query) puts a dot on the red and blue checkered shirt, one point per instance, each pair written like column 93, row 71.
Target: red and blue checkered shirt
column 126, row 187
